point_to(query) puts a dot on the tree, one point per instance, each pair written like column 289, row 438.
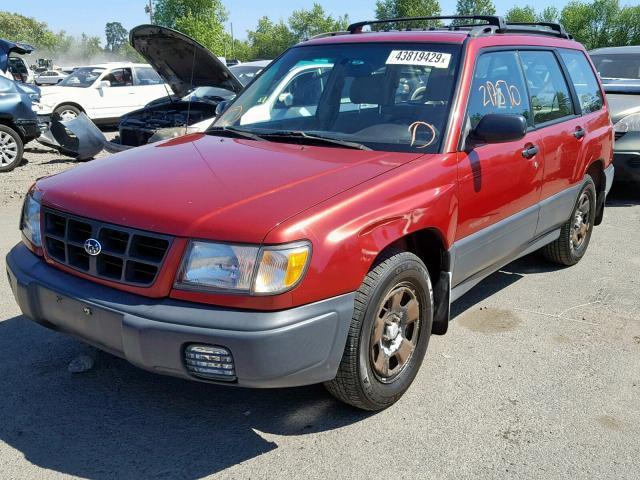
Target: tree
column 475, row 7
column 90, row 47
column 307, row 23
column 526, row 14
column 270, row 39
column 116, row 36
column 549, row 14
column 593, row 23
column 26, row 29
column 202, row 20
column 406, row 8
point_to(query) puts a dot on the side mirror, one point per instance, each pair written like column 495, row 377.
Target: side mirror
column 498, row 128
column 221, row 107
column 103, row 84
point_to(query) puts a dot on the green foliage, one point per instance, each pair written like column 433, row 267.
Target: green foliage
column 19, row 28
column 117, row 36
column 202, row 20
column 475, row 7
column 407, row 8
column 270, row 39
column 593, row 23
column 307, row 23
column 526, row 14
column 549, row 14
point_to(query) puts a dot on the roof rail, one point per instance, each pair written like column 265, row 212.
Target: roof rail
column 494, row 20
column 326, row 34
column 557, row 28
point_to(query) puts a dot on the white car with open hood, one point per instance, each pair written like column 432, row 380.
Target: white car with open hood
column 105, row 92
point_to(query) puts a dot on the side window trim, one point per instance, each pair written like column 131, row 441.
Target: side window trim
column 593, row 71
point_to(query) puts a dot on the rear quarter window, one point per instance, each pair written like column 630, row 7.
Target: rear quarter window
column 584, row 80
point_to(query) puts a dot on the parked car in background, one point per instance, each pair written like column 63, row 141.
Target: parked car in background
column 50, row 77
column 245, row 72
column 619, row 69
column 197, row 86
column 105, row 92
column 18, row 120
column 326, row 244
column 12, row 66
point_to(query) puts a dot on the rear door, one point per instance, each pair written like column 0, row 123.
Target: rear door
column 148, row 85
column 561, row 131
column 499, row 184
column 120, row 97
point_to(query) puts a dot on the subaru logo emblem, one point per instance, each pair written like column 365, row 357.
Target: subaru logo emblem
column 92, row 247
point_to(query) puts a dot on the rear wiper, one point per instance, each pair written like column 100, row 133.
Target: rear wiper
column 314, row 138
column 234, row 132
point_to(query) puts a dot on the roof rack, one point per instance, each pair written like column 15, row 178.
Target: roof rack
column 556, row 28
column 494, row 24
column 494, row 20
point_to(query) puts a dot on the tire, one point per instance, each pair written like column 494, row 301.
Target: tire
column 367, row 378
column 575, row 234
column 66, row 112
column 11, row 148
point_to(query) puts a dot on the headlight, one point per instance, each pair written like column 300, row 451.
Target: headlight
column 30, row 220
column 243, row 268
column 630, row 123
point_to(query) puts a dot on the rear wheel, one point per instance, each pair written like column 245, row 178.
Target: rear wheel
column 66, row 112
column 389, row 334
column 575, row 234
column 11, row 149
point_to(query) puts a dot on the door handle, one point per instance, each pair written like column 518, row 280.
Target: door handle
column 530, row 152
column 579, row 132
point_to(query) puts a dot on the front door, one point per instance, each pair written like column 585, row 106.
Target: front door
column 499, row 184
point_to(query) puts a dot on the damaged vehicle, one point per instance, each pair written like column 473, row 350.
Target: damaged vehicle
column 13, row 67
column 199, row 82
column 18, row 120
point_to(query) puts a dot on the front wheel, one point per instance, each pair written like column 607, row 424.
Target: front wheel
column 388, row 336
column 66, row 112
column 575, row 234
column 11, row 149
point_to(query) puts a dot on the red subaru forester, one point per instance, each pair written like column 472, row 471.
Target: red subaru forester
column 320, row 230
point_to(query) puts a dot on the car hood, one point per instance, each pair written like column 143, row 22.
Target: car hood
column 622, row 104
column 181, row 61
column 7, row 47
column 202, row 186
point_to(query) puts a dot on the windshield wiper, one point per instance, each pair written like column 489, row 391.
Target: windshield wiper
column 234, row 132
column 313, row 138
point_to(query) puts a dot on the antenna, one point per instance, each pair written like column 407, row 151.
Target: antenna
column 193, row 66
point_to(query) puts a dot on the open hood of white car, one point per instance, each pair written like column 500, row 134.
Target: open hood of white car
column 181, row 61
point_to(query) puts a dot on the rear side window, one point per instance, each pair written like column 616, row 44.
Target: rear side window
column 498, row 87
column 148, row 76
column 584, row 80
column 549, row 92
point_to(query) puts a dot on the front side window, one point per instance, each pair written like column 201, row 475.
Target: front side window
column 119, row 77
column 550, row 97
column 389, row 97
column 584, row 80
column 498, row 87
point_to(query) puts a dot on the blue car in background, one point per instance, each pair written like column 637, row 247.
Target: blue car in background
column 18, row 119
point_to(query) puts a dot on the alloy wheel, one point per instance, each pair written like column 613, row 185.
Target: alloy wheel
column 8, row 149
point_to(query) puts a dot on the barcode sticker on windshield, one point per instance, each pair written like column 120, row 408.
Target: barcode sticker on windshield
column 419, row 57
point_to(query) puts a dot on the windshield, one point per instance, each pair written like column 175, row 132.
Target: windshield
column 390, row 97
column 208, row 95
column 82, row 77
column 618, row 66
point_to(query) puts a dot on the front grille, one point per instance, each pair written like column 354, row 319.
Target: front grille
column 619, row 135
column 128, row 256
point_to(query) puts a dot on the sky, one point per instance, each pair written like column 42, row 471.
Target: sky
column 90, row 16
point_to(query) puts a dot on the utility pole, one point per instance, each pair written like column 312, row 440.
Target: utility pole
column 149, row 9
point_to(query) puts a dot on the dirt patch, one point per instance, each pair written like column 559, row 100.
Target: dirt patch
column 610, row 423
column 490, row 320
column 560, row 339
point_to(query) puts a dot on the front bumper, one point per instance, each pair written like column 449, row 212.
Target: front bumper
column 626, row 157
column 299, row 346
column 29, row 129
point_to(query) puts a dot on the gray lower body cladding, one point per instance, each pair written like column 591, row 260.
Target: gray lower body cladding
column 298, row 346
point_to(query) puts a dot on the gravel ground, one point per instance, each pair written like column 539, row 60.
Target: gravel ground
column 538, row 377
column 39, row 161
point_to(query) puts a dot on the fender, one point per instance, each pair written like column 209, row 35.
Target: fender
column 350, row 230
